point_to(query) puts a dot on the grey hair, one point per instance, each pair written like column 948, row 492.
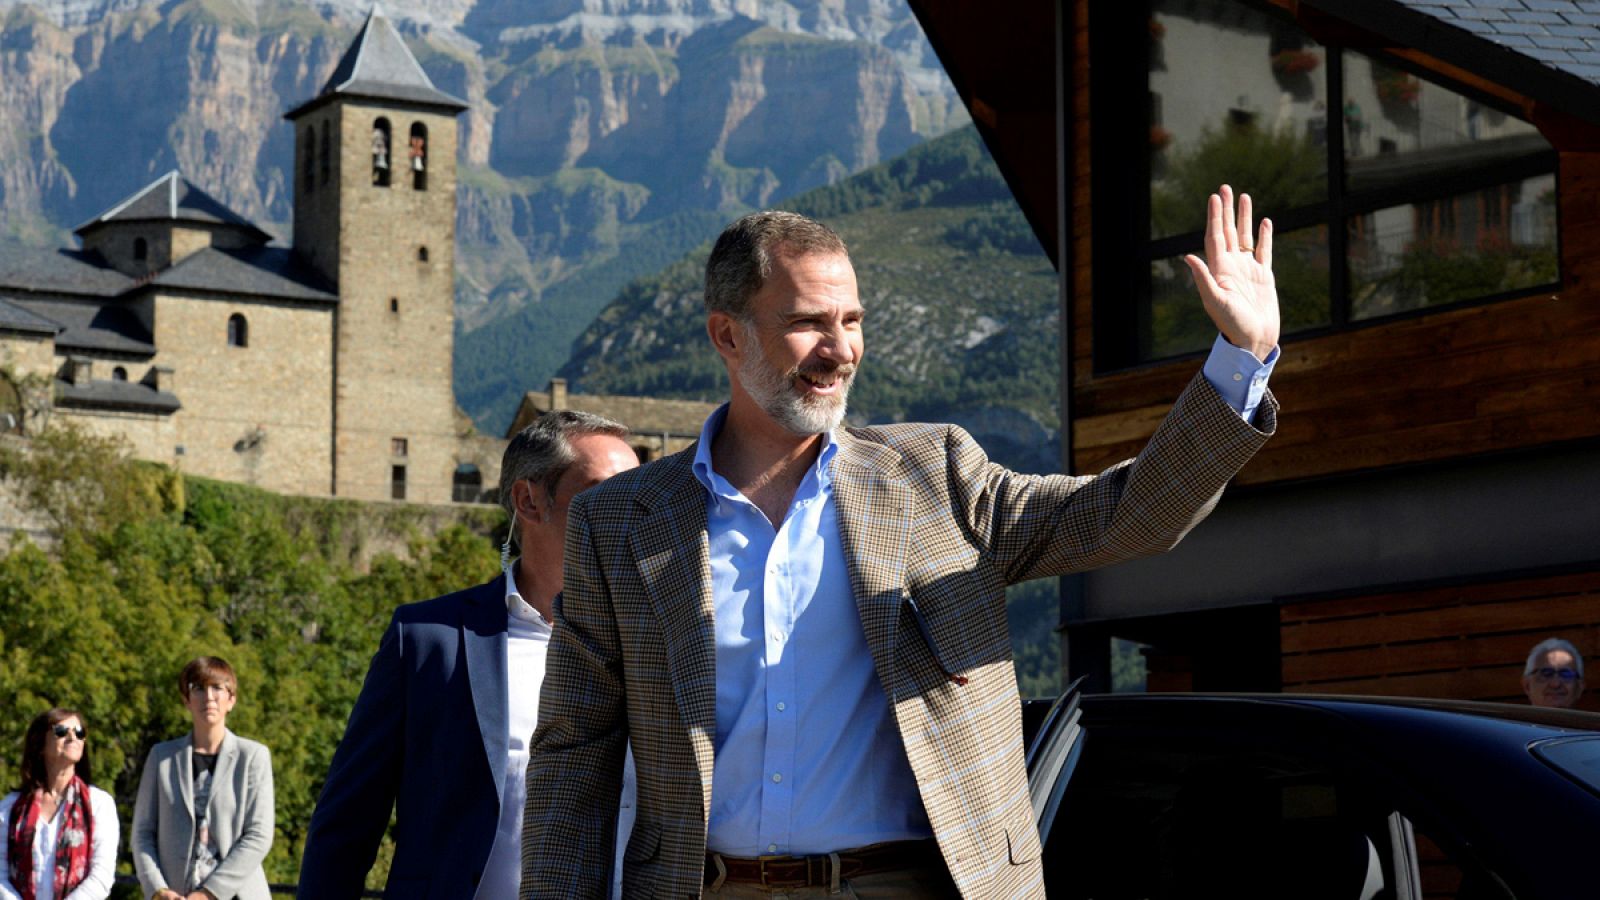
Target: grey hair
column 741, row 261
column 542, row 452
column 1545, row 646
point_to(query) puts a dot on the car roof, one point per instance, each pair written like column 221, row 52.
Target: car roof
column 1360, row 707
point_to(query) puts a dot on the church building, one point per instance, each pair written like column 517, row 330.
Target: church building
column 320, row 368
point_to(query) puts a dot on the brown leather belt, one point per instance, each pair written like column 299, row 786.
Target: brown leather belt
column 784, row 872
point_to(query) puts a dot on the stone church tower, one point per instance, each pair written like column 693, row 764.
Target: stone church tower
column 374, row 212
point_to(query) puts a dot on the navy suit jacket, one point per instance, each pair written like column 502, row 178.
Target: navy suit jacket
column 428, row 735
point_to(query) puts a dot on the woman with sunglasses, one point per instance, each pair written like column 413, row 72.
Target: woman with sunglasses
column 60, row 831
column 203, row 821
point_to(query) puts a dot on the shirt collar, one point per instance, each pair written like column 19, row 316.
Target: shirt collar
column 516, row 607
column 718, row 486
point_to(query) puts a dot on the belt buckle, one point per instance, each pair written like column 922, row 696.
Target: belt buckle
column 766, row 878
column 762, row 861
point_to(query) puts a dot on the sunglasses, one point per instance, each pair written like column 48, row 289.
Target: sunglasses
column 1547, row 674
column 62, row 731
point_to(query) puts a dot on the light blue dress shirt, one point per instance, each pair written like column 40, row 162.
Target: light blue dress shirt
column 808, row 757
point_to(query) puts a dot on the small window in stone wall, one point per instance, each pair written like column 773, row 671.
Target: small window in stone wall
column 380, row 152
column 397, row 482
column 422, row 254
column 119, row 374
column 394, row 304
column 397, row 446
column 141, row 249
column 238, row 331
column 419, row 156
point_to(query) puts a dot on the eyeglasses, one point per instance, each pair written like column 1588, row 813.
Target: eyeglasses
column 62, row 731
column 204, row 689
column 1547, row 673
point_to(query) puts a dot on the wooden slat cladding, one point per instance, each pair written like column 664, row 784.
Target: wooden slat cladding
column 1489, row 378
column 1464, row 642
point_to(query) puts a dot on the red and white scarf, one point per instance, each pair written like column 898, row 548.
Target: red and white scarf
column 73, row 841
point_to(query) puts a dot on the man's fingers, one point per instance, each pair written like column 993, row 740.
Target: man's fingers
column 1245, row 217
column 1230, row 231
column 1264, row 244
column 1216, row 238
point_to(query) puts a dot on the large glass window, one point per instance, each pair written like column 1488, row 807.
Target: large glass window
column 1391, row 190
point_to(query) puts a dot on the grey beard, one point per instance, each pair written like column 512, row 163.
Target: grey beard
column 772, row 392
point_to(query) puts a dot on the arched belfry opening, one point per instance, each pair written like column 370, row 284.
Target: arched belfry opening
column 419, row 156
column 308, row 159
column 327, row 153
column 381, row 151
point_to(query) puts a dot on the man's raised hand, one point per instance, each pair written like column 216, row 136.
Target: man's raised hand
column 1235, row 279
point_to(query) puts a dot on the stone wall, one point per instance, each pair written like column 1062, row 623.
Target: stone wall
column 258, row 414
column 316, row 199
column 152, row 436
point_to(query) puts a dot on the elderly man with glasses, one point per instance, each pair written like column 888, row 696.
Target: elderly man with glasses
column 1553, row 676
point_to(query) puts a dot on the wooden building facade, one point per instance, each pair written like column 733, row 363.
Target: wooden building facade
column 1430, row 507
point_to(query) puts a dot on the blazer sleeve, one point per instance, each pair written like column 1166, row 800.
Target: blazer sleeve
column 146, row 825
column 1033, row 526
column 251, row 845
column 363, row 780
column 576, row 757
column 7, row 891
column 103, row 851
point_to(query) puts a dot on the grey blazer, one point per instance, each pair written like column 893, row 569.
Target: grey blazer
column 240, row 813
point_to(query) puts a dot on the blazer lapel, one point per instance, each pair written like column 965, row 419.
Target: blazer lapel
column 483, row 635
column 873, row 502
column 669, row 545
column 185, row 762
column 227, row 758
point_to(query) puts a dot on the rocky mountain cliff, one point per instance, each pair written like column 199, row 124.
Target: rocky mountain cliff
column 604, row 137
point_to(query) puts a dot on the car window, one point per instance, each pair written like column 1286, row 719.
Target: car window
column 1162, row 818
column 1576, row 758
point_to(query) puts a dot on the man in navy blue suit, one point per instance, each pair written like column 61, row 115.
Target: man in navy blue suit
column 440, row 731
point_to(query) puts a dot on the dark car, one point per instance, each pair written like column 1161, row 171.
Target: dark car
column 1297, row 797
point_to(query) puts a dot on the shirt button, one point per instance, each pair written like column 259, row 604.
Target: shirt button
column 1238, row 376
column 777, row 777
column 772, row 848
column 777, row 637
column 782, row 706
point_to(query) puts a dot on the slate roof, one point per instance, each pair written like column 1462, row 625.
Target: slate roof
column 379, row 65
column 1546, row 49
column 173, row 198
column 111, row 394
column 39, row 270
column 16, row 319
column 647, row 416
column 107, row 327
column 263, row 271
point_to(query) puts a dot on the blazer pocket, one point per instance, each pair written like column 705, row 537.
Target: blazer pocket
column 643, row 844
column 1022, row 839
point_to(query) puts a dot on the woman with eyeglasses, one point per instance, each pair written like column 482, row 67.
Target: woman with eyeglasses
column 203, row 821
column 61, row 832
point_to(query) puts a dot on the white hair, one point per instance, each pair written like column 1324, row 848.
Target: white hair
column 1545, row 646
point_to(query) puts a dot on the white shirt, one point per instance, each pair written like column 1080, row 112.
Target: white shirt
column 102, row 853
column 527, row 642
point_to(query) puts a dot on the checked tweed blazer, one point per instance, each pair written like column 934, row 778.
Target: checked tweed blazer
column 933, row 533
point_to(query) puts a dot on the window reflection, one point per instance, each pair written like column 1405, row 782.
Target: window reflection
column 1462, row 247
column 1258, row 119
column 1400, row 128
column 1179, row 324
